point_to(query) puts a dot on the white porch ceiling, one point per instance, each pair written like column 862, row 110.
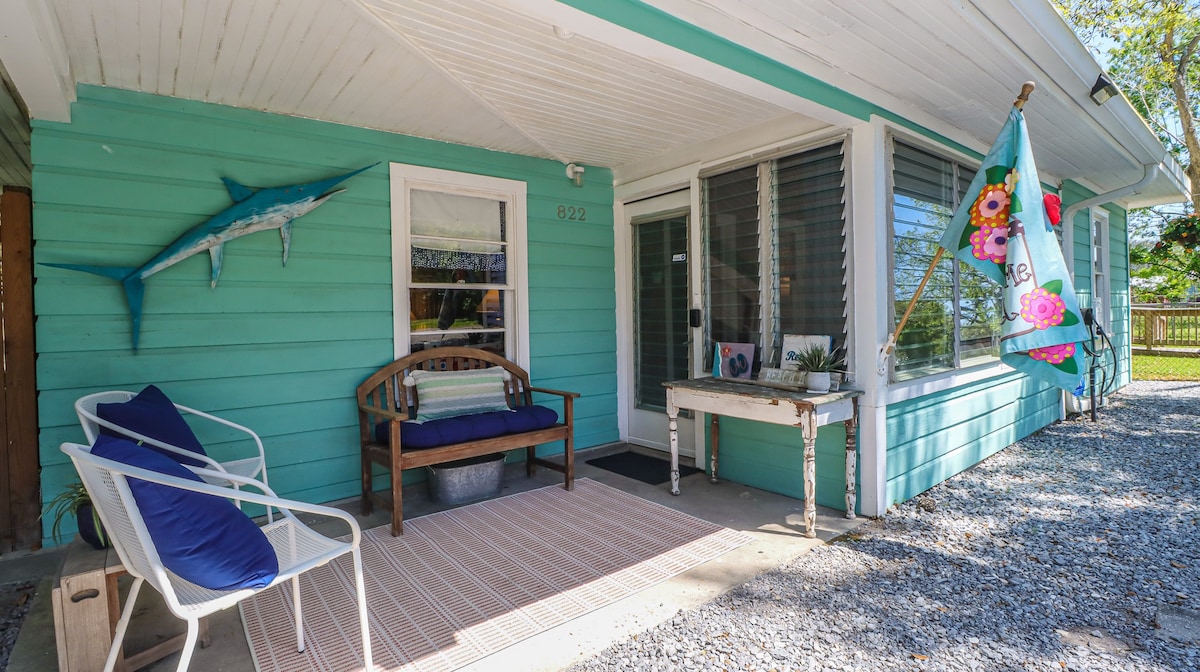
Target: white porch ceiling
column 539, row 78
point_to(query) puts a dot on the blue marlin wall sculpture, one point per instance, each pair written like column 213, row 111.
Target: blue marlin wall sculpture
column 252, row 211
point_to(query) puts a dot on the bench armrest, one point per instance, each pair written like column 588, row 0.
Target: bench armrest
column 544, row 390
column 383, row 412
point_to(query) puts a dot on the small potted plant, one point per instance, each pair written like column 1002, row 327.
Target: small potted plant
column 819, row 363
column 75, row 501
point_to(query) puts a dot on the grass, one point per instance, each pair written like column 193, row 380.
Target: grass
column 1154, row 367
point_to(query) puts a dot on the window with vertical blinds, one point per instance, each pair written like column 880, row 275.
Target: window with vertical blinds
column 956, row 320
column 810, row 244
column 775, row 242
column 732, row 259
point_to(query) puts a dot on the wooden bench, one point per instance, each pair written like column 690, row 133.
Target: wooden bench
column 385, row 398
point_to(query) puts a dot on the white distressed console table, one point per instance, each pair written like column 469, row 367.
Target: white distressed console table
column 748, row 401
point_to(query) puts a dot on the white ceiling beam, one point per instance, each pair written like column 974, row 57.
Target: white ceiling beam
column 34, row 54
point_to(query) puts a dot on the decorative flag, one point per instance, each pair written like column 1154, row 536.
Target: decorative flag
column 1001, row 229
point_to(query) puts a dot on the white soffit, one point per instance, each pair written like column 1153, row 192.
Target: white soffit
column 488, row 74
column 579, row 97
column 951, row 67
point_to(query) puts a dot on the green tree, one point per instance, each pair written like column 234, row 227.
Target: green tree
column 1152, row 48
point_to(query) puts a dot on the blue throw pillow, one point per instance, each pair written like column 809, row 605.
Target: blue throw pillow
column 202, row 538
column 152, row 414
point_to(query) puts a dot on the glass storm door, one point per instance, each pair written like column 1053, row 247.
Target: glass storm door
column 661, row 335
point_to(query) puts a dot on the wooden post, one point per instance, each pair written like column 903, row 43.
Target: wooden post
column 19, row 478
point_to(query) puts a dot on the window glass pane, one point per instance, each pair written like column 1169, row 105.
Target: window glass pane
column 454, row 216
column 809, row 244
column 492, row 341
column 731, row 262
column 456, row 317
column 965, row 306
column 980, row 307
column 660, row 297
column 922, row 204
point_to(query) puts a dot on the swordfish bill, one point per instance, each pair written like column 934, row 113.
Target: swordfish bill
column 252, row 211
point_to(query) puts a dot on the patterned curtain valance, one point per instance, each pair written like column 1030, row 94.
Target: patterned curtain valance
column 473, row 261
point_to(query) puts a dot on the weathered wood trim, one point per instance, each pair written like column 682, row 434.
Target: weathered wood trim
column 21, row 492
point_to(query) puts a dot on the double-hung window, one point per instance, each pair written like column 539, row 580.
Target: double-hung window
column 774, row 252
column 956, row 321
column 457, row 260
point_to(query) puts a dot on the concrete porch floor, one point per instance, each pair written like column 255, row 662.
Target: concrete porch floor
column 775, row 522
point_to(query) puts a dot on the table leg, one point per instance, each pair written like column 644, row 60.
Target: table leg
column 851, row 455
column 808, row 424
column 673, row 427
column 714, row 432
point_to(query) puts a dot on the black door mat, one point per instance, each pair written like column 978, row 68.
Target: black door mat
column 641, row 467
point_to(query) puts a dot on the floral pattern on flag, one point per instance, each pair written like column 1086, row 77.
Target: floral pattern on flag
column 994, row 233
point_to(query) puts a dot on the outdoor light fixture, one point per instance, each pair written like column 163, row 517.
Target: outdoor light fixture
column 575, row 174
column 1103, row 89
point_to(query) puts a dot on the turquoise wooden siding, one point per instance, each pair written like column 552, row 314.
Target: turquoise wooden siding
column 771, row 457
column 1119, row 292
column 279, row 349
column 934, row 437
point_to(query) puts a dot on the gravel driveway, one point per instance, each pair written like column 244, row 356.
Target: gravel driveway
column 1077, row 548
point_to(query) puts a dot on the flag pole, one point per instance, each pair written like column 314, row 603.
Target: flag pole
column 894, row 337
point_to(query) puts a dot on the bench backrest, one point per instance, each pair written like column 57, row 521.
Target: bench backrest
column 385, row 388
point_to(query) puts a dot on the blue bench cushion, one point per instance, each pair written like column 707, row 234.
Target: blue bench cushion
column 152, row 414
column 202, row 538
column 473, row 427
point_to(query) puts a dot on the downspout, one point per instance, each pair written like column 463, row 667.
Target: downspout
column 1150, row 172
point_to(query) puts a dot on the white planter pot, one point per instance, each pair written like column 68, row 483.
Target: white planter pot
column 818, row 381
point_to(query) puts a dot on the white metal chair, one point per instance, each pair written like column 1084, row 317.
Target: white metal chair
column 254, row 466
column 298, row 547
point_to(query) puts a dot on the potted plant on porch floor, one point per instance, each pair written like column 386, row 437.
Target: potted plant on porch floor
column 75, row 501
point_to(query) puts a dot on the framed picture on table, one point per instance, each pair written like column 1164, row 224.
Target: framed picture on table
column 794, row 344
column 733, row 360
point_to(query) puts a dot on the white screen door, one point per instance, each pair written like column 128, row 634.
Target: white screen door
column 661, row 337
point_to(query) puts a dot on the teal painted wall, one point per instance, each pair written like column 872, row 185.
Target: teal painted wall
column 1120, row 297
column 278, row 349
column 771, row 457
column 936, row 436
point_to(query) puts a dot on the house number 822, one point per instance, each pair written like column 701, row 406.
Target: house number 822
column 572, row 213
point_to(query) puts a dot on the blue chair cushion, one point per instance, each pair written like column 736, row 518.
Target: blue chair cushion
column 202, row 538
column 152, row 414
column 445, row 431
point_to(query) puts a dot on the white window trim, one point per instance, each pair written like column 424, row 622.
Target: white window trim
column 405, row 177
column 1101, row 296
column 897, row 391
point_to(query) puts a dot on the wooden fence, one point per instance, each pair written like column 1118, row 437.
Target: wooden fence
column 1166, row 327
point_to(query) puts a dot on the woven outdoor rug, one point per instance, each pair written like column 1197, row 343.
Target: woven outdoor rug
column 461, row 584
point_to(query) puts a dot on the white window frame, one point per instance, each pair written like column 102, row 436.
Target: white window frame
column 404, row 179
column 960, row 374
column 1100, row 263
column 768, row 234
